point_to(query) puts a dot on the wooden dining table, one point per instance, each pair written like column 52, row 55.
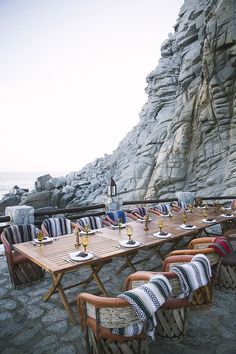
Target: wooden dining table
column 105, row 245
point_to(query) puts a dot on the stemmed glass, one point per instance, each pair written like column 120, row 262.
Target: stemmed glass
column 84, row 242
column 184, row 217
column 160, row 225
column 40, row 237
column 119, row 223
column 129, row 231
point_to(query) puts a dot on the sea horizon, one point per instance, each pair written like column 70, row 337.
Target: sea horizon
column 22, row 179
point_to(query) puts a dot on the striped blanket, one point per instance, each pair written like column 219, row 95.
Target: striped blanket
column 146, row 300
column 114, row 216
column 94, row 222
column 139, row 211
column 222, row 246
column 20, row 233
column 57, row 226
column 194, row 274
column 163, row 208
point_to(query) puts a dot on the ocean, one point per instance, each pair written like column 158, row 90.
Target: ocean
column 22, row 179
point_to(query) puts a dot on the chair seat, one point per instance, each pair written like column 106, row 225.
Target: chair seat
column 230, row 259
column 19, row 258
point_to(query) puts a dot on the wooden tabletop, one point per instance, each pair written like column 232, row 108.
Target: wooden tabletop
column 105, row 244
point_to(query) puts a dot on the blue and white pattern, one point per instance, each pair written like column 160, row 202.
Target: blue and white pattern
column 194, row 274
column 117, row 215
column 139, row 210
column 163, row 208
column 94, row 222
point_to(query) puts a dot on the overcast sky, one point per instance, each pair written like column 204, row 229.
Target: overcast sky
column 72, row 76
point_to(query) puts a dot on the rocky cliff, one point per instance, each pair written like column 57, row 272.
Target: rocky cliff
column 186, row 136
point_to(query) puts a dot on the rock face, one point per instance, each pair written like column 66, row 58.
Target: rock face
column 186, row 137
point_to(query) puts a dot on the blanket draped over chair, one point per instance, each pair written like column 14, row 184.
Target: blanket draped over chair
column 194, row 274
column 146, row 300
column 222, row 246
column 57, row 226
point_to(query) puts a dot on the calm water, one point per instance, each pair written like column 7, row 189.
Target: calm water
column 22, row 179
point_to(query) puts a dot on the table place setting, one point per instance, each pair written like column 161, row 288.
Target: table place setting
column 80, row 256
column 116, row 227
column 227, row 215
column 162, row 234
column 130, row 243
column 187, row 227
column 208, row 220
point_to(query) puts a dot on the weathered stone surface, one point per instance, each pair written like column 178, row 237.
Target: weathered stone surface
column 185, row 140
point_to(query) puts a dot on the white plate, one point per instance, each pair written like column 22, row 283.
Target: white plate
column 157, row 234
column 74, row 256
column 165, row 215
column 183, row 226
column 227, row 216
column 143, row 220
column 208, row 221
column 45, row 240
column 226, row 208
column 125, row 244
column 89, row 233
column 122, row 226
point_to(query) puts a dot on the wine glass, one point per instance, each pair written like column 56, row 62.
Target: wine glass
column 160, row 225
column 184, row 217
column 87, row 228
column 77, row 233
column 40, row 237
column 129, row 231
column 119, row 223
column 85, row 242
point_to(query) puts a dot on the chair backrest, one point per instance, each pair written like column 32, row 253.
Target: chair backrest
column 117, row 215
column 111, row 312
column 94, row 222
column 163, row 208
column 142, row 211
column 57, row 226
column 20, row 233
column 201, row 242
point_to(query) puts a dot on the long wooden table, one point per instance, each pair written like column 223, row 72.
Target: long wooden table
column 105, row 245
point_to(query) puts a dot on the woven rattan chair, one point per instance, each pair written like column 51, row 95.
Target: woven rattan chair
column 98, row 316
column 22, row 271
column 172, row 318
column 202, row 297
column 54, row 227
column 227, row 272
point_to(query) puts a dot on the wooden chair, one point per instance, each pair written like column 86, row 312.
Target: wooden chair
column 98, row 316
column 172, row 318
column 227, row 272
column 202, row 297
column 22, row 271
column 94, row 222
column 55, row 227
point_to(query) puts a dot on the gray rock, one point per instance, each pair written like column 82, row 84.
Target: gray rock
column 41, row 181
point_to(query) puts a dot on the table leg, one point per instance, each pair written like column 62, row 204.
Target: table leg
column 57, row 286
column 97, row 279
